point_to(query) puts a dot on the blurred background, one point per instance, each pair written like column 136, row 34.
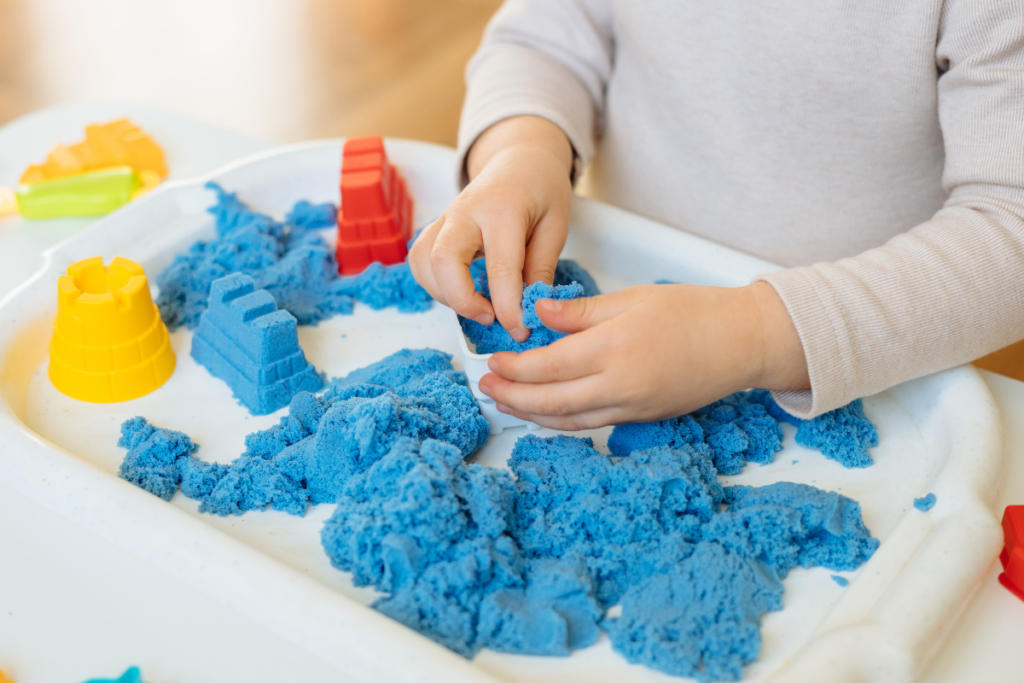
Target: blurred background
column 282, row 70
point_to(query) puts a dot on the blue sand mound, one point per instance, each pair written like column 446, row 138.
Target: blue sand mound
column 493, row 338
column 244, row 340
column 153, row 454
column 732, row 431
column 475, row 557
column 925, row 503
column 744, row 427
column 843, row 435
column 324, row 440
column 289, row 259
column 529, row 560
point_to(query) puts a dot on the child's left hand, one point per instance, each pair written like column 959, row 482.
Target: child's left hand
column 649, row 353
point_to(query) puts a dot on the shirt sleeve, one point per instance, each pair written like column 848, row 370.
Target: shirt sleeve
column 547, row 58
column 952, row 289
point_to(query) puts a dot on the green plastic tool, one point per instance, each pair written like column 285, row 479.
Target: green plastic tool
column 95, row 193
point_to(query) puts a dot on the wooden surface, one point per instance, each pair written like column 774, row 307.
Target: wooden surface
column 284, row 70
column 1009, row 361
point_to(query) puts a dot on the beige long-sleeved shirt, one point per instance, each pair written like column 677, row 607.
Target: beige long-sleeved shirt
column 880, row 141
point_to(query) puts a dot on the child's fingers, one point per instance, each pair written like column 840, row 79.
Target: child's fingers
column 568, row 358
column 592, row 419
column 543, row 249
column 553, row 399
column 504, row 251
column 455, row 247
column 576, row 315
column 419, row 260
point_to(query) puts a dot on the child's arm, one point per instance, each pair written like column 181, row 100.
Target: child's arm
column 515, row 210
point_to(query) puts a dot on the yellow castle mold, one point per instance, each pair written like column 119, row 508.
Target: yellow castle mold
column 109, row 343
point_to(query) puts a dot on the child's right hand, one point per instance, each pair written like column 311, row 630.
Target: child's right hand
column 515, row 211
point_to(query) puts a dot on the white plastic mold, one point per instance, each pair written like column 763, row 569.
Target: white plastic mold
column 475, row 366
column 940, row 433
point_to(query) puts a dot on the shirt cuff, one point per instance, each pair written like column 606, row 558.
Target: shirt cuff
column 509, row 80
column 825, row 333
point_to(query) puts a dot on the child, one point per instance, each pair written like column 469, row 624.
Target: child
column 882, row 143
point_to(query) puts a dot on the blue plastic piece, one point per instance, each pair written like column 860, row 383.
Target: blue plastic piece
column 246, row 341
column 925, row 503
column 131, row 675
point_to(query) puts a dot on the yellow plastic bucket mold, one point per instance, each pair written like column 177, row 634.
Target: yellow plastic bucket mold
column 109, row 343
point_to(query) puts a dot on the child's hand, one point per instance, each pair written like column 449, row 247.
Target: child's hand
column 648, row 353
column 515, row 211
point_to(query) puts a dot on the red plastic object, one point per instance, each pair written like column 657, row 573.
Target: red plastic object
column 1012, row 556
column 375, row 220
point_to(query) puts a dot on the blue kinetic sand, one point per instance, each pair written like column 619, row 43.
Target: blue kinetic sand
column 246, row 341
column 473, row 557
column 289, row 259
column 925, row 503
column 744, row 427
column 153, row 455
column 323, row 441
column 529, row 560
column 493, row 338
column 733, row 431
column 840, row 581
column 843, row 435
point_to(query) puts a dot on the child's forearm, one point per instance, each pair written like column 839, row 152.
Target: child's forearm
column 542, row 136
column 783, row 364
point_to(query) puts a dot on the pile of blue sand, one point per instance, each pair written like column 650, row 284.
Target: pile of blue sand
column 744, row 427
column 246, row 341
column 289, row 259
column 843, row 435
column 323, row 442
column 925, row 503
column 571, row 281
column 528, row 561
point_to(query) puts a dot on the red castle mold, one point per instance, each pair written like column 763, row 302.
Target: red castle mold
column 1012, row 557
column 375, row 220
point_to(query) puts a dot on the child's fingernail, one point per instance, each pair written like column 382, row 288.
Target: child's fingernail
column 519, row 334
column 485, row 389
column 503, row 409
column 492, row 364
column 484, row 319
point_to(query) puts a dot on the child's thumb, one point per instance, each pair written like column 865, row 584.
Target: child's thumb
column 576, row 315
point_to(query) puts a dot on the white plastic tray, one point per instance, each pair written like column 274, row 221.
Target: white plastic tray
column 939, row 434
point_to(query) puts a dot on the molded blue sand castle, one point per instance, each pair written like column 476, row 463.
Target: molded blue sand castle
column 571, row 281
column 289, row 259
column 246, row 341
column 529, row 560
